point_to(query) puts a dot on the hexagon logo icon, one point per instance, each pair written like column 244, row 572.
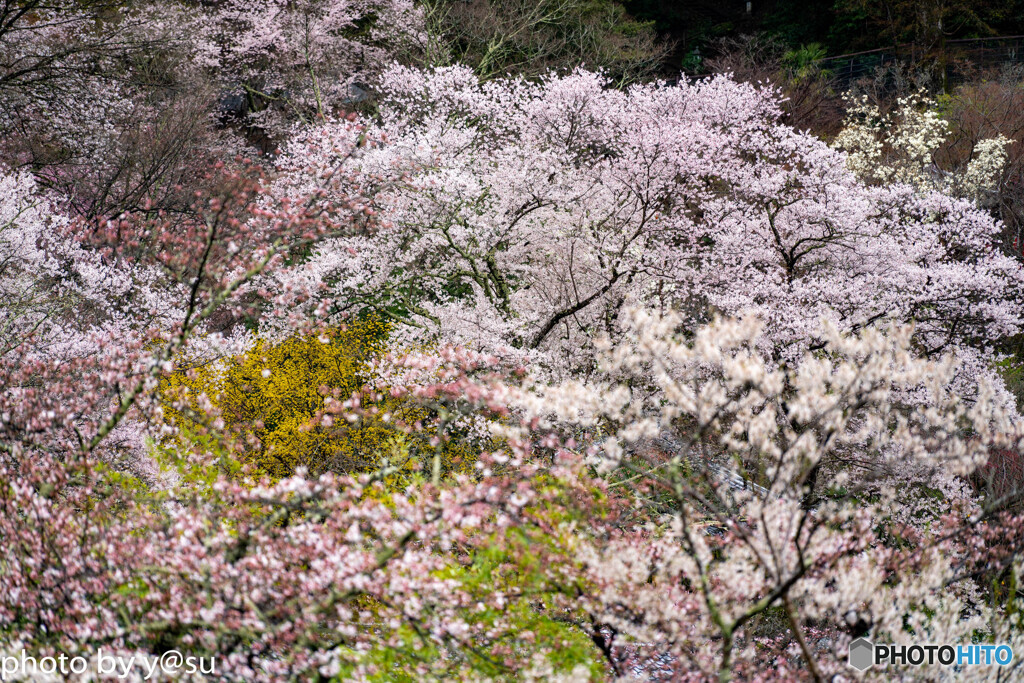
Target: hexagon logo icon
column 862, row 654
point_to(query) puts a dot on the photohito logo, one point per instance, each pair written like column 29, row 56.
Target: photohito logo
column 862, row 654
column 865, row 654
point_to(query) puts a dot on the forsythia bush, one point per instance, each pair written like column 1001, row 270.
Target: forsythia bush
column 273, row 403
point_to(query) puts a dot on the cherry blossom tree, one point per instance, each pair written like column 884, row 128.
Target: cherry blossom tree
column 520, row 217
column 102, row 103
column 56, row 62
column 105, row 307
column 302, row 60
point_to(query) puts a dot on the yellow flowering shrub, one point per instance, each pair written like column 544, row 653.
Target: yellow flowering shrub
column 270, row 404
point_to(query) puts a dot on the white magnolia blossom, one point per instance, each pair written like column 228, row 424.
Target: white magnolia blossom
column 899, row 146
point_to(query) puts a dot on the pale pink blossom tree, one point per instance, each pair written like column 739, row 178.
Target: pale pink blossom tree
column 520, row 217
column 302, row 60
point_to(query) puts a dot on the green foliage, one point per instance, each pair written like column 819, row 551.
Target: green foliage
column 522, row 627
column 529, row 565
column 1011, row 368
column 531, row 38
column 802, row 61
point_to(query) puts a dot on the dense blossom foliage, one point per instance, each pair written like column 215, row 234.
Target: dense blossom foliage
column 856, row 521
column 534, row 211
column 500, row 380
column 101, row 103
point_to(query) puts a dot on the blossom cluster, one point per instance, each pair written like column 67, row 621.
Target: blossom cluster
column 900, row 146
